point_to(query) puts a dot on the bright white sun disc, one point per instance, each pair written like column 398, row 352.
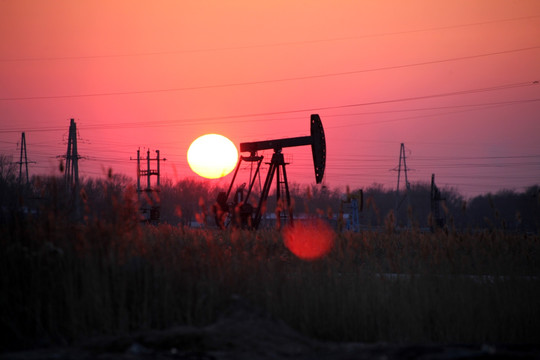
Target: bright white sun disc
column 212, row 156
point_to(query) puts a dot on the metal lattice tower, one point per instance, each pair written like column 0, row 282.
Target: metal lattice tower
column 23, row 160
column 72, row 158
column 401, row 199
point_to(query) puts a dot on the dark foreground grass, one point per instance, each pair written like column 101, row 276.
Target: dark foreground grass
column 60, row 282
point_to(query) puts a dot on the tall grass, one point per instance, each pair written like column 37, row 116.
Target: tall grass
column 62, row 281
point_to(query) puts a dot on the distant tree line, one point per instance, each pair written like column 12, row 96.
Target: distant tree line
column 188, row 202
column 509, row 210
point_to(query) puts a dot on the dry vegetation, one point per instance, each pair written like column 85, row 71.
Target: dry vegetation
column 62, row 281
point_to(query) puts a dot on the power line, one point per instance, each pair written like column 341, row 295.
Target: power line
column 379, row 122
column 279, row 44
column 258, row 82
column 477, row 157
column 188, row 121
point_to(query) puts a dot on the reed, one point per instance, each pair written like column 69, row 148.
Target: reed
column 62, row 281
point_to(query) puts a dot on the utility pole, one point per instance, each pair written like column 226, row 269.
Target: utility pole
column 71, row 172
column 24, row 156
column 150, row 207
column 72, row 158
column 399, row 200
column 24, row 181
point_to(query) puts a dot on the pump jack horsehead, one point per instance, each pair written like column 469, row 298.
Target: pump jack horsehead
column 238, row 210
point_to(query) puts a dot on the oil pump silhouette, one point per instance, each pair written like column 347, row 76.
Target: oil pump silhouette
column 239, row 210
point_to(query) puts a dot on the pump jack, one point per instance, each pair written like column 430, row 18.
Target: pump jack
column 239, row 211
column 352, row 205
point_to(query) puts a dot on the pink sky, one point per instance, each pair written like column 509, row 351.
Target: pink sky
column 157, row 75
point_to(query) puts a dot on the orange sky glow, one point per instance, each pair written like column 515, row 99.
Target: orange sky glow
column 455, row 81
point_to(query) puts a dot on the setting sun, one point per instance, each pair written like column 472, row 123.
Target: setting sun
column 212, row 156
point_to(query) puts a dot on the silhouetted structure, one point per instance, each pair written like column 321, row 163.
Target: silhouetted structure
column 150, row 203
column 352, row 206
column 400, row 200
column 243, row 213
column 71, row 173
column 23, row 160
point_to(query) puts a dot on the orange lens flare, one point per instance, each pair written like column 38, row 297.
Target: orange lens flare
column 309, row 241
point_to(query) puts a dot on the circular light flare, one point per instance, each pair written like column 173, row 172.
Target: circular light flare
column 309, row 241
column 212, row 156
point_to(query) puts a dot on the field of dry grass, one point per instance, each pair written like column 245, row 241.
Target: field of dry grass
column 63, row 281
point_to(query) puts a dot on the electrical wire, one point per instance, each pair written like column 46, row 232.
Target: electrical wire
column 198, row 121
column 279, row 44
column 258, row 82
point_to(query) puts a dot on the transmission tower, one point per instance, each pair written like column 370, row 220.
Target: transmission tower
column 150, row 207
column 72, row 158
column 23, row 160
column 405, row 196
column 71, row 172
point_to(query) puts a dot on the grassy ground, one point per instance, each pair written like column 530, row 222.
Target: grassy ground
column 61, row 281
